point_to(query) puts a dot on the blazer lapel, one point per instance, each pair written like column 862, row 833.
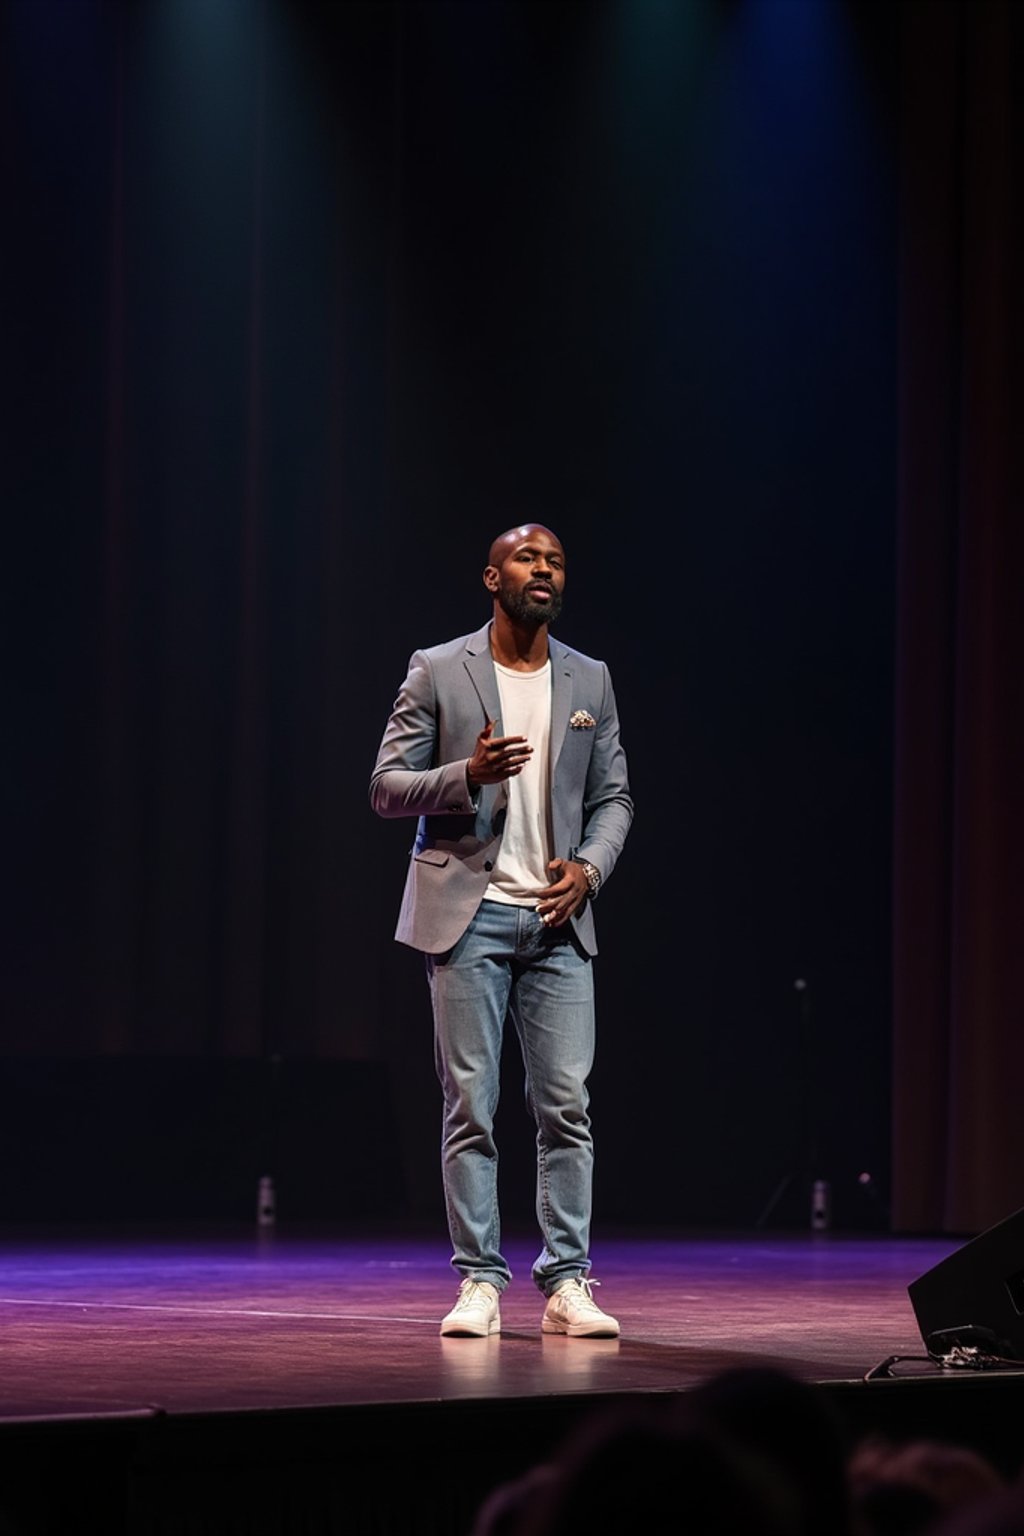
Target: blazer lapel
column 480, row 666
column 481, row 669
column 561, row 701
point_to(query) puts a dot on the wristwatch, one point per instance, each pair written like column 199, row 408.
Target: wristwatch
column 593, row 875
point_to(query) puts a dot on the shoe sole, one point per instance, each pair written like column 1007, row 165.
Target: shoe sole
column 581, row 1330
column 466, row 1331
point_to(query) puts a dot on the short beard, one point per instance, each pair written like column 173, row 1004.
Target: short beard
column 522, row 608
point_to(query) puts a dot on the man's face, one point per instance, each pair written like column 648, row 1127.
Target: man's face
column 526, row 573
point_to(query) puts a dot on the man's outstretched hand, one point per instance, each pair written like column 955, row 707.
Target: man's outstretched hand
column 497, row 758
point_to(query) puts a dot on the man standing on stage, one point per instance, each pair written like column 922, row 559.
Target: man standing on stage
column 505, row 744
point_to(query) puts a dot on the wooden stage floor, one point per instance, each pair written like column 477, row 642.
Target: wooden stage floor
column 150, row 1357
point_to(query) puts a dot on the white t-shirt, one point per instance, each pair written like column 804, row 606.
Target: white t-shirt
column 521, row 869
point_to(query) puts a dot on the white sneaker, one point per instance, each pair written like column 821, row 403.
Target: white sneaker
column 476, row 1313
column 572, row 1310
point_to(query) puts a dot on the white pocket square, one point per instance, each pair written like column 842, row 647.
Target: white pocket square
column 581, row 720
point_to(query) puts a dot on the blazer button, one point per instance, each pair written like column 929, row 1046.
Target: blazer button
column 456, row 805
column 488, row 864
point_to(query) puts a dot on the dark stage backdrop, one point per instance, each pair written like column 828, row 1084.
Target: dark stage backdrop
column 959, row 848
column 303, row 303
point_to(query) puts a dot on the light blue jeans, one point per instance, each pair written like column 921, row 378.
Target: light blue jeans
column 508, row 963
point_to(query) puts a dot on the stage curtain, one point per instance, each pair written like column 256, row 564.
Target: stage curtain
column 958, row 1135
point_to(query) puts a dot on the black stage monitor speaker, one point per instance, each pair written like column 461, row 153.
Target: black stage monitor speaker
column 975, row 1297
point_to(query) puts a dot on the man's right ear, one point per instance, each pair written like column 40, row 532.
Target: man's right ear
column 491, row 577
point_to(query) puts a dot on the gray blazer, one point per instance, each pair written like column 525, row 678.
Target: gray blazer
column 448, row 696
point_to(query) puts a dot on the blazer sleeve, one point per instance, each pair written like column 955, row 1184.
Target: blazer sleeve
column 607, row 802
column 405, row 779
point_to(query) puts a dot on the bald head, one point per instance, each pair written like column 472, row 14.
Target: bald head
column 510, row 540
